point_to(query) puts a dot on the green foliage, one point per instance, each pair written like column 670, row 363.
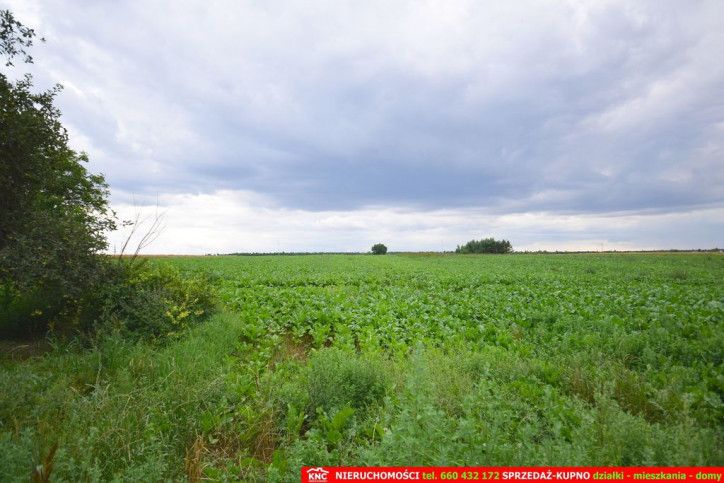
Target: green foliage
column 334, row 430
column 487, row 245
column 121, row 410
column 408, row 360
column 14, row 38
column 55, row 213
column 25, row 313
column 153, row 301
column 336, row 380
column 379, row 249
column 561, row 334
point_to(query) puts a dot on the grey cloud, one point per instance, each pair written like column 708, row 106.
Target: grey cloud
column 610, row 107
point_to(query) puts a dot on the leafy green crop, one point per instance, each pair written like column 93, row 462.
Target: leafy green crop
column 563, row 348
column 520, row 360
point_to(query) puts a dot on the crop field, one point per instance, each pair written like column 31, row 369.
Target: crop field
column 341, row 360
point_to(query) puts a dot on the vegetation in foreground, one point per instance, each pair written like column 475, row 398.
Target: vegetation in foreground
column 397, row 360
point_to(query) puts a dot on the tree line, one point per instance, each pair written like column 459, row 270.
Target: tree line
column 486, row 245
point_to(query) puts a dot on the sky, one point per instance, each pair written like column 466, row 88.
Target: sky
column 332, row 125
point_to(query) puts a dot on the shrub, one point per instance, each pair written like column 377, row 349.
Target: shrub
column 335, row 379
column 152, row 301
column 29, row 312
column 23, row 313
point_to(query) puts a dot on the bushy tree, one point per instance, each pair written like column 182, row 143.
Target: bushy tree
column 487, row 245
column 379, row 249
column 54, row 212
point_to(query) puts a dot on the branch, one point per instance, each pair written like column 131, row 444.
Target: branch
column 158, row 224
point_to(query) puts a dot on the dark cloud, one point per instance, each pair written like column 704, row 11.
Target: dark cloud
column 579, row 108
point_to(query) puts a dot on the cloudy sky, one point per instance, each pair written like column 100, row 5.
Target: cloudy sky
column 330, row 125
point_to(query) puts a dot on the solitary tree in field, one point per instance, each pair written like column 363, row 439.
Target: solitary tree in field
column 379, row 249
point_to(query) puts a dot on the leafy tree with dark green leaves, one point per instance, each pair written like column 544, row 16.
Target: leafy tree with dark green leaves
column 379, row 249
column 54, row 212
column 487, row 245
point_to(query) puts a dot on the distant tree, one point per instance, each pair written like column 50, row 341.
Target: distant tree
column 54, row 212
column 487, row 245
column 379, row 249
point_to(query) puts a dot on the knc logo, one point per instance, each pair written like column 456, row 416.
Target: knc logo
column 317, row 475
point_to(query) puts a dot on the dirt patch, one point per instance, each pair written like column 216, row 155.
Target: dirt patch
column 294, row 349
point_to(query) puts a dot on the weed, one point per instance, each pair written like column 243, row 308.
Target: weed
column 334, row 379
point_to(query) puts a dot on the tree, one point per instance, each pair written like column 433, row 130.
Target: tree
column 379, row 249
column 487, row 245
column 54, row 212
column 14, row 38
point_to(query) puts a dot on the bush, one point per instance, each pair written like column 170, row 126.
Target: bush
column 24, row 314
column 151, row 301
column 137, row 300
column 336, row 380
column 33, row 311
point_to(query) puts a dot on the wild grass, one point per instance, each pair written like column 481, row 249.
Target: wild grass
column 119, row 410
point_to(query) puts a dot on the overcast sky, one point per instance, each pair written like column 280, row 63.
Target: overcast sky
column 331, row 125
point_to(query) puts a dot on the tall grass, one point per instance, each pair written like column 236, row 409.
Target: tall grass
column 119, row 410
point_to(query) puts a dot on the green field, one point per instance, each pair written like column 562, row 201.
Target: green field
column 391, row 360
